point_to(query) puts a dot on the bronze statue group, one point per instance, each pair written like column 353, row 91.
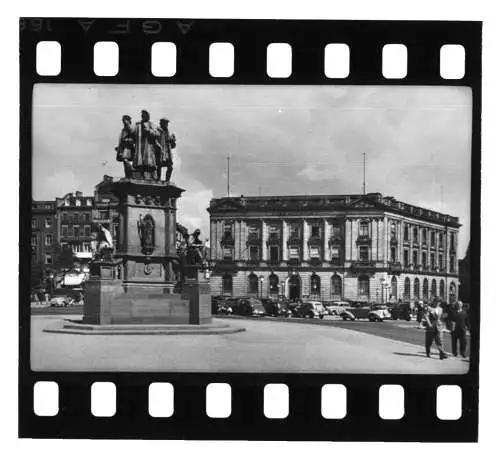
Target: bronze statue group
column 145, row 149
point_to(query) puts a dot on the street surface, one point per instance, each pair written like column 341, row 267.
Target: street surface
column 268, row 345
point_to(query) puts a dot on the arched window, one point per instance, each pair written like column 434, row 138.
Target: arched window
column 227, row 284
column 253, row 284
column 441, row 289
column 433, row 288
column 315, row 285
column 425, row 291
column 364, row 286
column 406, row 294
column 274, row 284
column 453, row 293
column 336, row 285
column 416, row 289
column 394, row 287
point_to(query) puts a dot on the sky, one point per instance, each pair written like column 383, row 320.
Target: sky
column 281, row 140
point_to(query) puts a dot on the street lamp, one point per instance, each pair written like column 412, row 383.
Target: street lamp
column 383, row 285
column 261, row 279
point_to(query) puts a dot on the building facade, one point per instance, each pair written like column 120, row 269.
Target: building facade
column 105, row 208
column 332, row 247
column 74, row 223
column 44, row 238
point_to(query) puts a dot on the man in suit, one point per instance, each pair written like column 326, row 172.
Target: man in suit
column 460, row 324
column 433, row 322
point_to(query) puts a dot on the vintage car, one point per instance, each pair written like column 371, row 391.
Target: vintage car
column 249, row 307
column 366, row 311
column 336, row 307
column 311, row 309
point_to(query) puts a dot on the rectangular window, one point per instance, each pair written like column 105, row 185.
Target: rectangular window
column 415, row 258
column 76, row 219
column 48, row 223
column 274, row 253
column 406, row 258
column 294, row 230
column 364, row 253
column 336, row 230
column 76, row 230
column 440, row 261
column 254, row 253
column 48, row 239
column 228, row 228
column 335, row 252
column 424, row 236
column 315, row 231
column 227, row 253
column 406, row 235
column 87, row 231
column 33, row 223
column 34, row 240
column 293, row 253
column 440, row 240
column 82, row 231
column 64, row 230
column 48, row 259
column 424, row 259
column 393, row 254
column 433, row 239
column 363, row 229
column 314, row 252
column 433, row 260
column 415, row 234
column 65, row 217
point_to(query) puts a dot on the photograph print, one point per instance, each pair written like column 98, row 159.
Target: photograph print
column 259, row 229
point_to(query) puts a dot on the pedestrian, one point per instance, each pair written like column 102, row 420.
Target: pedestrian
column 460, row 324
column 433, row 322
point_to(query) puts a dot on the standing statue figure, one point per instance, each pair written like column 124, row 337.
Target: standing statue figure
column 126, row 145
column 195, row 249
column 145, row 137
column 146, row 232
column 166, row 142
column 102, row 246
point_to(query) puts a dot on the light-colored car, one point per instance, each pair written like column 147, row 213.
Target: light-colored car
column 311, row 309
column 336, row 307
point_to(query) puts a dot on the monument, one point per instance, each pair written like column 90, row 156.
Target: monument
column 145, row 282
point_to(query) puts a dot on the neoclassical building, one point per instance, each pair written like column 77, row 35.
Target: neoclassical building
column 329, row 247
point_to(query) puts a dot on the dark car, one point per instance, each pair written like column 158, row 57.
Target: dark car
column 249, row 307
column 311, row 309
column 401, row 311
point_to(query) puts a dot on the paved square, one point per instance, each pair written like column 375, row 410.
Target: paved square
column 266, row 346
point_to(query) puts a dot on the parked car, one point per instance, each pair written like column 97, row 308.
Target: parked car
column 366, row 311
column 250, row 307
column 311, row 309
column 401, row 311
column 336, row 307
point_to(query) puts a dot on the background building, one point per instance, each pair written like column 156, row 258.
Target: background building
column 44, row 238
column 359, row 247
column 105, row 208
column 74, row 221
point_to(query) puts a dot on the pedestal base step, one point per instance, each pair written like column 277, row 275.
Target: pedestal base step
column 77, row 327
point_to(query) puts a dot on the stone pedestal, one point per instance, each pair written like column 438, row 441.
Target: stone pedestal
column 137, row 285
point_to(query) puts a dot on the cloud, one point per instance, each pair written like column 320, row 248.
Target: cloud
column 281, row 140
column 59, row 183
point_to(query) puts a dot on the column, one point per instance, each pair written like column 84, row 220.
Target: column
column 325, row 256
column 284, row 252
column 373, row 235
column 386, row 251
column 305, row 253
column 237, row 240
column 263, row 249
column 348, row 238
column 380, row 239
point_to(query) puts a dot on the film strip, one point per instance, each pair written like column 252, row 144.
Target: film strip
column 247, row 421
